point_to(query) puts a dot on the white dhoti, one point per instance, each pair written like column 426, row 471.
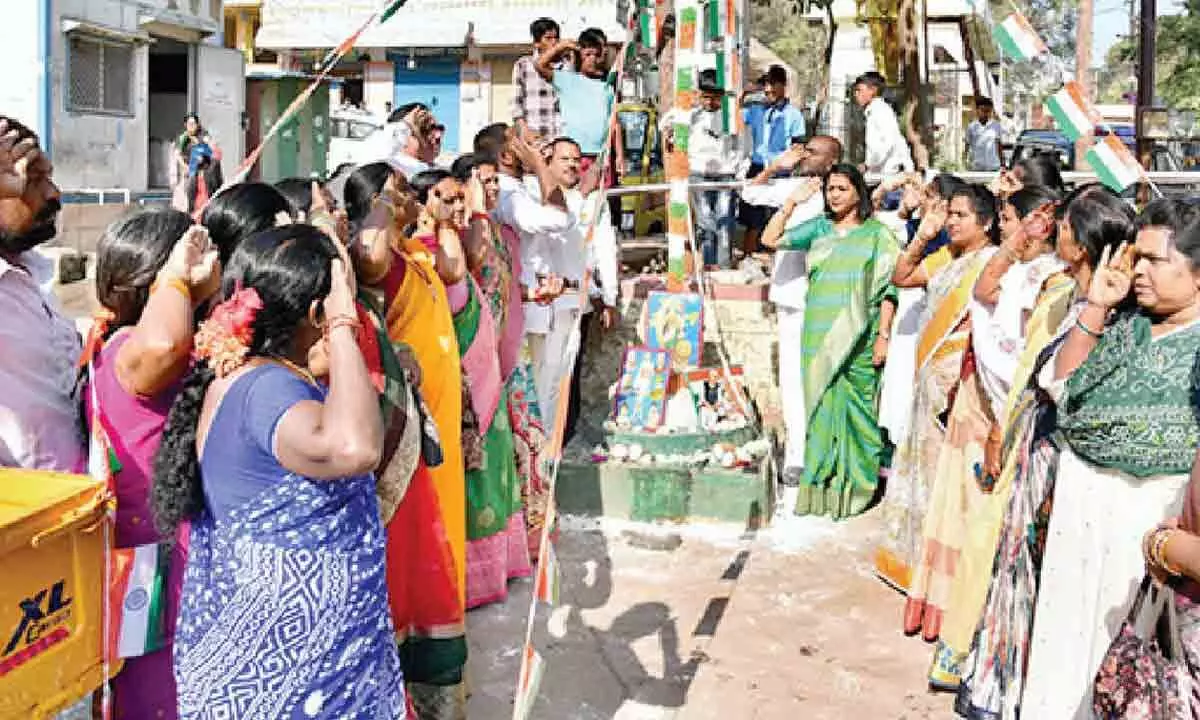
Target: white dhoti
column 791, row 384
column 553, row 360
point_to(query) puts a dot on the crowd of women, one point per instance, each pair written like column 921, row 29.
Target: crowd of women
column 1015, row 388
column 326, row 416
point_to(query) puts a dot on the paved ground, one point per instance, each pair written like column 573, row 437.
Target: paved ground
column 701, row 624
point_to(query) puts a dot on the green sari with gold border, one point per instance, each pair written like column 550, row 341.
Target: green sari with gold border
column 849, row 279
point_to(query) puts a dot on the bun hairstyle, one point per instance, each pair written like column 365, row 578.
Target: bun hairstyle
column 289, row 268
column 1098, row 219
column 361, row 187
column 240, row 211
column 128, row 257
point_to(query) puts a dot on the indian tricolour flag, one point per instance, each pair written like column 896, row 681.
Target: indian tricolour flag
column 137, row 575
column 532, row 669
column 138, row 595
column 1075, row 115
column 1114, row 164
column 1018, row 38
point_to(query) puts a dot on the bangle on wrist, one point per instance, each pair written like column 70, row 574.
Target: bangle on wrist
column 173, row 281
column 1158, row 548
column 1087, row 330
column 340, row 321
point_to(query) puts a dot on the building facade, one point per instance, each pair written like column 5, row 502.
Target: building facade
column 456, row 56
column 113, row 82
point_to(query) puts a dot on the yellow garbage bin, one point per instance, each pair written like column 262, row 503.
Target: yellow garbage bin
column 53, row 533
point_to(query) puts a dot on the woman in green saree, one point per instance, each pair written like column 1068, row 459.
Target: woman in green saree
column 847, row 323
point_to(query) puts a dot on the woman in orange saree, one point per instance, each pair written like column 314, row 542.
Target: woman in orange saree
column 426, row 544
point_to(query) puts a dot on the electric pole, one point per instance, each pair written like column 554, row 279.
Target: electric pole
column 1083, row 69
column 1147, row 38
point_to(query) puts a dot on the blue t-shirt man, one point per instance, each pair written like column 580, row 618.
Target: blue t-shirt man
column 585, row 104
column 772, row 128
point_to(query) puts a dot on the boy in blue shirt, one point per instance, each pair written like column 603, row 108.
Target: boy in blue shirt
column 584, row 97
column 773, row 128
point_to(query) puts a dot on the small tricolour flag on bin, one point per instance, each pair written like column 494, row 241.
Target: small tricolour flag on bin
column 1075, row 115
column 1018, row 38
column 1116, row 167
column 138, row 597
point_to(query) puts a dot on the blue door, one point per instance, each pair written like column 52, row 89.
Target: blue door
column 434, row 81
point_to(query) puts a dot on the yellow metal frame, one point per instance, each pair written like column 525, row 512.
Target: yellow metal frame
column 649, row 209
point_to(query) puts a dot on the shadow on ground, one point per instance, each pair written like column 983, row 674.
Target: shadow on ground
column 614, row 648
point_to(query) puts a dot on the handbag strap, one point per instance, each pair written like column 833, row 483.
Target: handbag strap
column 1135, row 609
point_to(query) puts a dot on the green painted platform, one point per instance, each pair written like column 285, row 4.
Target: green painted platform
column 630, row 491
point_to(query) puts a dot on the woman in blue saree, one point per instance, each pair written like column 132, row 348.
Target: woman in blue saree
column 284, row 611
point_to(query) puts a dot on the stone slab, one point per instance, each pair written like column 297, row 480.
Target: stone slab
column 663, row 493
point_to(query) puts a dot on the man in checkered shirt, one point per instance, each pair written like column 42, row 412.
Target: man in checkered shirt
column 535, row 108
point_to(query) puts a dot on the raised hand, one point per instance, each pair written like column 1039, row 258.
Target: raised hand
column 805, row 190
column 933, row 221
column 16, row 158
column 1111, row 280
column 340, row 301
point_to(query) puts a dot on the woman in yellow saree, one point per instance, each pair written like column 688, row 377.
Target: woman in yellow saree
column 949, row 277
column 970, row 491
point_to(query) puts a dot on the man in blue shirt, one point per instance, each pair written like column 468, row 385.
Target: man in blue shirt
column 774, row 126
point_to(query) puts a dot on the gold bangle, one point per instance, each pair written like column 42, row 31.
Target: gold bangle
column 174, row 282
column 1162, row 553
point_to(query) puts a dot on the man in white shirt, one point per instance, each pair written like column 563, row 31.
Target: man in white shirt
column 887, row 150
column 984, row 136
column 789, row 282
column 405, row 142
column 540, row 219
column 713, row 154
column 567, row 257
column 39, row 348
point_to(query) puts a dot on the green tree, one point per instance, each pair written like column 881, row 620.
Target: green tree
column 1177, row 61
column 792, row 36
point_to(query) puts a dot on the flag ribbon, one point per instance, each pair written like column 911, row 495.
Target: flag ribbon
column 326, row 66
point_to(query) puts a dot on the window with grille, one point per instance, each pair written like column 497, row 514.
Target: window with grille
column 100, row 76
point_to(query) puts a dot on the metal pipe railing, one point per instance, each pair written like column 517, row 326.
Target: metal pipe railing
column 1071, row 177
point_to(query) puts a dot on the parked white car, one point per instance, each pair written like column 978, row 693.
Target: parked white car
column 351, row 137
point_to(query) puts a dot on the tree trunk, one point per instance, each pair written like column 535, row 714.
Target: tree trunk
column 826, row 74
column 916, row 130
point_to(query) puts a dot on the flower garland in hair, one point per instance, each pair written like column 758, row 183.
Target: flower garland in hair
column 223, row 340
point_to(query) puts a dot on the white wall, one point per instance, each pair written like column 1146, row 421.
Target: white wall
column 20, row 53
column 99, row 150
column 90, row 150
